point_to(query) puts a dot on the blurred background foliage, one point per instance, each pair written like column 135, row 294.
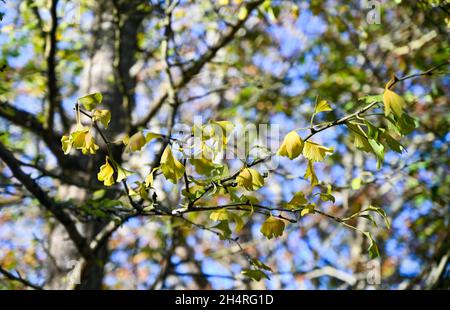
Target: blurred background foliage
column 270, row 71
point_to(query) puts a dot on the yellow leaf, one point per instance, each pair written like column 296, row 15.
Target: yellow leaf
column 219, row 215
column 298, row 200
column 83, row 140
column 66, row 142
column 135, row 142
column 202, row 165
column 315, row 152
column 322, row 106
column 308, row 210
column 151, row 136
column 91, row 101
column 310, row 174
column 79, row 137
column 104, row 116
column 172, row 169
column 89, row 145
column 106, row 173
column 393, row 103
column 292, row 145
column 243, row 12
column 272, row 227
column 250, row 179
column 122, row 173
column 150, row 177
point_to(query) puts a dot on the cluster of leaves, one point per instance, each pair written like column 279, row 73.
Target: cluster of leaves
column 214, row 178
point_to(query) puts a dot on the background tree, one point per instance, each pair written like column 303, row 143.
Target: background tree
column 364, row 115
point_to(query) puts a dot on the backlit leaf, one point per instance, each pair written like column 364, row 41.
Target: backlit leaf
column 172, row 169
column 250, row 179
column 292, row 145
column 91, row 101
column 315, row 152
column 272, row 227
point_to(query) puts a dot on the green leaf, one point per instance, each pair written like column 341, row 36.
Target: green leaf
column 373, row 248
column 298, row 200
column 382, row 213
column 322, row 106
column 378, row 150
column 272, row 227
column 255, row 274
column 327, row 197
column 225, row 230
column 260, row 265
column 392, row 143
column 406, row 124
column 91, row 101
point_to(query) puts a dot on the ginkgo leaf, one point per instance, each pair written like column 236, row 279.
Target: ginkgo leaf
column 122, row 173
column 272, row 227
column 151, row 136
column 378, row 150
column 225, row 128
column 91, row 101
column 292, row 145
column 219, row 215
column 106, row 173
column 89, row 145
column 66, row 142
column 393, row 103
column 83, row 140
column 104, row 116
column 255, row 274
column 202, row 165
column 311, row 174
column 172, row 169
column 135, row 143
column 250, row 179
column 150, row 177
column 309, row 209
column 322, row 106
column 315, row 152
column 298, row 200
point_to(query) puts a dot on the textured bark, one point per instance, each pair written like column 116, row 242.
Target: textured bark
column 101, row 74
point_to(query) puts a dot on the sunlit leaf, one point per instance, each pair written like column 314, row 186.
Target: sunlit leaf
column 272, row 227
column 250, row 179
column 322, row 106
column 104, row 116
column 315, row 152
column 311, row 174
column 292, row 145
column 135, row 143
column 298, row 200
column 393, row 103
column 106, row 173
column 172, row 169
column 91, row 101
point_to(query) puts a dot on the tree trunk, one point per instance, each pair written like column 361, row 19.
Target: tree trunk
column 107, row 71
